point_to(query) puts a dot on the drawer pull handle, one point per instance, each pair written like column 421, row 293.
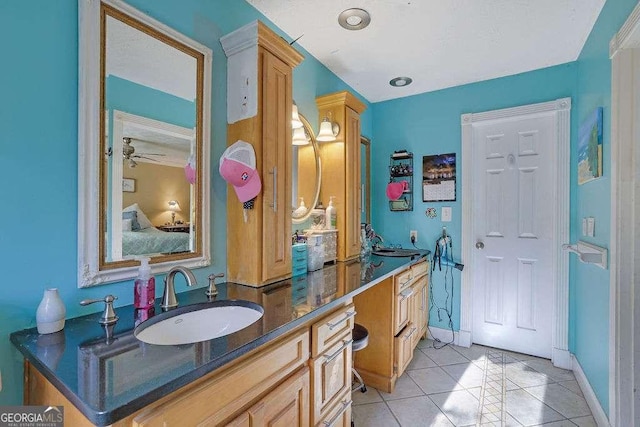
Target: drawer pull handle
column 274, row 172
column 344, row 345
column 406, row 294
column 345, row 405
column 349, row 315
column 413, row 330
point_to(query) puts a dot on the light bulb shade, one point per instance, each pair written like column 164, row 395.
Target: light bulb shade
column 326, row 133
column 174, row 206
column 299, row 137
column 296, row 123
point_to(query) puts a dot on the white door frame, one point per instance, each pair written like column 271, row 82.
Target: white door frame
column 624, row 301
column 561, row 108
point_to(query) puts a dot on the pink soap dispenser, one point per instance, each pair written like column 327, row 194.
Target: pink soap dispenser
column 145, row 286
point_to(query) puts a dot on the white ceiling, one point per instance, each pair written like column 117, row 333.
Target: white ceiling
column 438, row 43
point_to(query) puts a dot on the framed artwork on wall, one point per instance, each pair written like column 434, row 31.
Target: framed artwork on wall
column 590, row 147
column 129, row 185
column 439, row 178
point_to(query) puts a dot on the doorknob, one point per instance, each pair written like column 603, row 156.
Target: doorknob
column 479, row 245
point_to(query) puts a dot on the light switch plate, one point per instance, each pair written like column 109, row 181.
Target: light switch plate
column 584, row 226
column 591, row 226
column 446, row 214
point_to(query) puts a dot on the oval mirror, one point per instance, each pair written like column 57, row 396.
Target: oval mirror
column 306, row 172
column 144, row 147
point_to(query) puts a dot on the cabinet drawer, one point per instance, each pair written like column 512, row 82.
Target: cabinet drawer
column 330, row 377
column 332, row 328
column 418, row 270
column 340, row 414
column 226, row 393
column 402, row 280
column 403, row 348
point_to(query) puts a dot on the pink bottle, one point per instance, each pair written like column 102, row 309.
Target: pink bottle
column 144, row 287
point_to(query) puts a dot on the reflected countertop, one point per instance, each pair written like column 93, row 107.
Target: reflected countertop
column 108, row 374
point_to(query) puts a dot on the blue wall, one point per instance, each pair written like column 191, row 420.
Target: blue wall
column 589, row 285
column 430, row 124
column 39, row 145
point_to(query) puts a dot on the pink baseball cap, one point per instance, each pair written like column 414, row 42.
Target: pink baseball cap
column 395, row 189
column 238, row 168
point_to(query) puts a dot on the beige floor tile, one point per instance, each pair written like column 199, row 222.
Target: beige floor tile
column 418, row 411
column 585, row 421
column 434, row 380
column 524, row 375
column 425, row 343
column 405, row 387
column 475, row 353
column 420, row 361
column 511, row 422
column 444, row 356
column 528, row 410
column 373, row 415
column 459, row 406
column 476, row 392
column 468, row 375
column 562, row 423
column 510, row 385
column 573, row 386
column 371, row 396
column 546, row 367
column 564, row 401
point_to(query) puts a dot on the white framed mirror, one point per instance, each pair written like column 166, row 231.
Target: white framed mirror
column 306, row 172
column 143, row 148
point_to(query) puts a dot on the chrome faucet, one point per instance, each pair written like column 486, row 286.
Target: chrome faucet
column 169, row 295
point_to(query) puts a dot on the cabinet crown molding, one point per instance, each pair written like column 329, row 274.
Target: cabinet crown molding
column 257, row 33
column 341, row 98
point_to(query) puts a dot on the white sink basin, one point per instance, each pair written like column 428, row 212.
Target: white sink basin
column 198, row 322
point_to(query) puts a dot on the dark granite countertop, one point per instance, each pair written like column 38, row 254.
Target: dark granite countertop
column 109, row 374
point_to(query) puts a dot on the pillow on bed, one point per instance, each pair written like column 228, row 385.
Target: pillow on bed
column 142, row 218
column 130, row 221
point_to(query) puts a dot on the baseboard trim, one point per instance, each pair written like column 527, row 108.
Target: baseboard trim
column 561, row 358
column 589, row 395
column 444, row 335
column 464, row 338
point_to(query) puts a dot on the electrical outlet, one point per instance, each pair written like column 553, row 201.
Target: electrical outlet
column 413, row 236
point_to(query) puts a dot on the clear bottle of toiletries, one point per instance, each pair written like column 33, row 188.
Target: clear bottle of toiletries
column 330, row 216
column 145, row 286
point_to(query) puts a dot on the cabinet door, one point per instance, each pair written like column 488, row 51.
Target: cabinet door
column 352, row 196
column 276, row 165
column 285, row 406
column 424, row 305
column 415, row 314
column 331, row 377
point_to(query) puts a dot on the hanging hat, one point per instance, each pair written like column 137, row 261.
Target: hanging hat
column 394, row 190
column 238, row 168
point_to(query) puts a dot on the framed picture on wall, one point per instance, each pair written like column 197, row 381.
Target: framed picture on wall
column 439, row 178
column 590, row 147
column 129, row 185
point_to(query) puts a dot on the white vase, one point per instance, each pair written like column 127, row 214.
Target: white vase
column 51, row 312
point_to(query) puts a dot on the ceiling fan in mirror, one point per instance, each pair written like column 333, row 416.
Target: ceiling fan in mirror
column 128, row 153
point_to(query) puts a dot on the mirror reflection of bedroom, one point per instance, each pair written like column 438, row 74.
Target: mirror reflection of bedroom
column 149, row 201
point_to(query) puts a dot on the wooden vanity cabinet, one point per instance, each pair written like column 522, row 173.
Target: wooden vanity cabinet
column 259, row 100
column 341, row 162
column 395, row 312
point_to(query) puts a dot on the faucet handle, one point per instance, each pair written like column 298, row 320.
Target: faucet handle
column 212, row 291
column 108, row 315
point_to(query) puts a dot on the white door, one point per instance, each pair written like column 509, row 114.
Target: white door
column 514, row 177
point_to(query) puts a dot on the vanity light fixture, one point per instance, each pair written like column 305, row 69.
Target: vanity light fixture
column 296, row 123
column 354, row 19
column 328, row 130
column 401, row 81
column 174, row 207
column 299, row 137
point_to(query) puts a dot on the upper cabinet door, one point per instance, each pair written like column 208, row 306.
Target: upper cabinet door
column 352, row 147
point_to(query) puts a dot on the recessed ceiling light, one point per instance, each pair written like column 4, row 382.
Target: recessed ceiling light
column 354, row 19
column 401, row 81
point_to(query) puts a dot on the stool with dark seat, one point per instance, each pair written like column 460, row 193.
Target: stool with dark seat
column 360, row 341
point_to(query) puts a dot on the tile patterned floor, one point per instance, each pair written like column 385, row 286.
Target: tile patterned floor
column 476, row 386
